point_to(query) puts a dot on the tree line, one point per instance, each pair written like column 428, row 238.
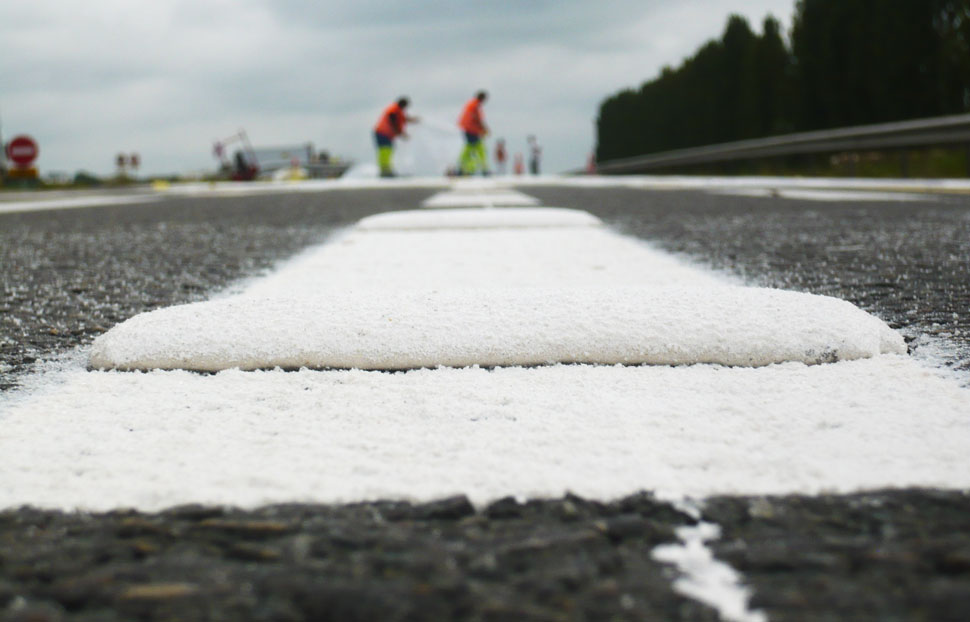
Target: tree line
column 845, row 62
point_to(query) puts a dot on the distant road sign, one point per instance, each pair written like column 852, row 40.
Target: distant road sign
column 22, row 150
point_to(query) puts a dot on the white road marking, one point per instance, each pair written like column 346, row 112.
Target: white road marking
column 478, row 218
column 840, row 196
column 476, row 197
column 497, row 191
column 75, row 202
column 102, row 440
column 699, row 182
column 706, row 579
column 487, row 258
column 395, row 330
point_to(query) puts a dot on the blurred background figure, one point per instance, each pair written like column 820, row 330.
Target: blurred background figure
column 519, row 166
column 472, row 123
column 500, row 156
column 391, row 125
column 535, row 155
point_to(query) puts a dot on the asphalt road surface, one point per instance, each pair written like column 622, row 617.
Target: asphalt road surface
column 68, row 275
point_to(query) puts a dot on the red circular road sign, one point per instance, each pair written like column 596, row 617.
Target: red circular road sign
column 22, row 150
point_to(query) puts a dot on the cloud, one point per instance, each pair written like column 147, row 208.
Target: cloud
column 167, row 77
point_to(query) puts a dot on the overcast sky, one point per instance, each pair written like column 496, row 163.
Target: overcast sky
column 166, row 78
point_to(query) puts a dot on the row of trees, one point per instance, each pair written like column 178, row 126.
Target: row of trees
column 845, row 63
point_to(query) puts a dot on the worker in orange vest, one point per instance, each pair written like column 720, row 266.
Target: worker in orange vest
column 390, row 126
column 472, row 123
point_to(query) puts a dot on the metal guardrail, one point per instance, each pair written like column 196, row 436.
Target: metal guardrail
column 936, row 131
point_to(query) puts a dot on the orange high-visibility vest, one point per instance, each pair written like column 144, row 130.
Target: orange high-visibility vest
column 471, row 118
column 392, row 121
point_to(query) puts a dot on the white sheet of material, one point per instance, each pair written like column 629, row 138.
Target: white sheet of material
column 498, row 327
column 478, row 218
column 102, row 440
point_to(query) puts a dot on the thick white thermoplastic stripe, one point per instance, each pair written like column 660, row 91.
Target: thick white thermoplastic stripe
column 480, row 258
column 102, row 440
column 400, row 299
column 479, row 198
column 478, row 218
column 498, row 327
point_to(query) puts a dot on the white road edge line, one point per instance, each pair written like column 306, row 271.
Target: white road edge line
column 74, row 202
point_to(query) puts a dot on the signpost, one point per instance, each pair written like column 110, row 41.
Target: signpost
column 22, row 150
column 125, row 162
